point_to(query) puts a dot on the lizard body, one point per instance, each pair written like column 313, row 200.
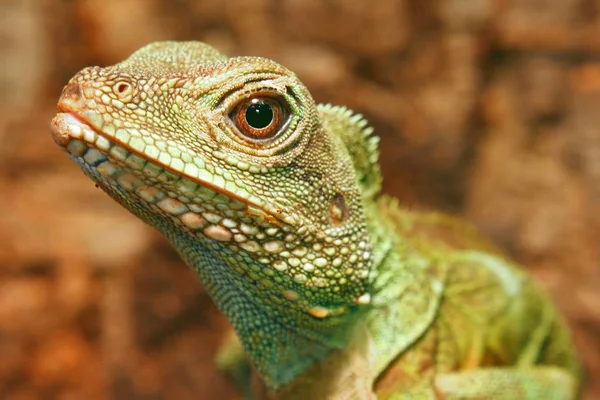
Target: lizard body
column 333, row 289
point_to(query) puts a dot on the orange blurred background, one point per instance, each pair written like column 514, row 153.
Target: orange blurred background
column 488, row 109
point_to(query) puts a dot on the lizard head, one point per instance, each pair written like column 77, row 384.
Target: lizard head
column 231, row 153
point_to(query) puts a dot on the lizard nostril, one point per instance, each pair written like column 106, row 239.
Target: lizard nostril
column 122, row 89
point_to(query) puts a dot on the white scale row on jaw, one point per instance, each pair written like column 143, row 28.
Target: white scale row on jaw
column 107, row 163
column 80, row 131
column 194, row 170
column 151, row 194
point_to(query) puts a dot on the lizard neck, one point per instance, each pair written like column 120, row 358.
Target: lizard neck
column 281, row 343
column 383, row 237
column 406, row 284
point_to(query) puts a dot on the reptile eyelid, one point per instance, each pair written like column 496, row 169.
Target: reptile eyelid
column 238, row 118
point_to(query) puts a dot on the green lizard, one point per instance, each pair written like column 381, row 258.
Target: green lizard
column 334, row 290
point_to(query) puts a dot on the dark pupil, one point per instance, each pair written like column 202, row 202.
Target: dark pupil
column 259, row 115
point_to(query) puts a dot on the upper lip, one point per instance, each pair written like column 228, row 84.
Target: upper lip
column 60, row 137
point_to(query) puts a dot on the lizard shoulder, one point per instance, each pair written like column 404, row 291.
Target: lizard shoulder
column 429, row 229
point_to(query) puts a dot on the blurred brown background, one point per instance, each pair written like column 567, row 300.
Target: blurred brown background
column 489, row 109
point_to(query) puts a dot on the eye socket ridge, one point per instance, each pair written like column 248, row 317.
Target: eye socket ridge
column 260, row 117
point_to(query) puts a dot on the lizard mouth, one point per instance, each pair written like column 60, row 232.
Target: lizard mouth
column 196, row 204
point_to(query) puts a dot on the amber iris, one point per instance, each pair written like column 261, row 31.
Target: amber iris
column 259, row 117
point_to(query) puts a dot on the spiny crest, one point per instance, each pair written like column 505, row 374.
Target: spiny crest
column 362, row 145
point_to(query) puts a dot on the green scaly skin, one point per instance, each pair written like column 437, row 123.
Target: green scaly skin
column 334, row 291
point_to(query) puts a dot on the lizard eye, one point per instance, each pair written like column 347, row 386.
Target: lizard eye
column 260, row 118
